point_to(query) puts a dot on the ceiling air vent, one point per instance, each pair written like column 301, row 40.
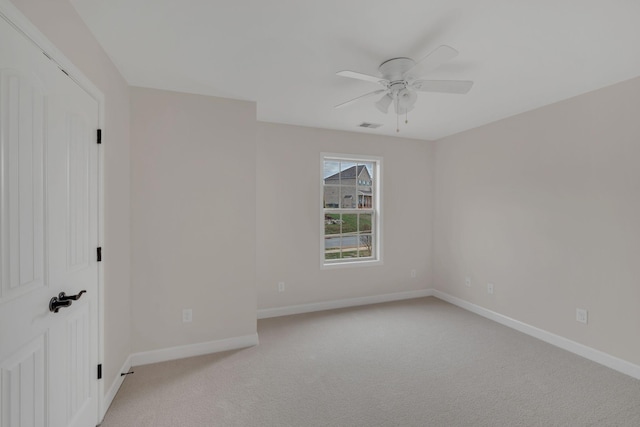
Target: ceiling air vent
column 369, row 125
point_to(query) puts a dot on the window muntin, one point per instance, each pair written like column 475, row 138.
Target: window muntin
column 350, row 210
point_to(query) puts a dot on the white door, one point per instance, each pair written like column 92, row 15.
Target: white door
column 48, row 241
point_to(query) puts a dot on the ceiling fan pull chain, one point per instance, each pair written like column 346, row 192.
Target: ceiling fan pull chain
column 406, row 117
column 397, row 115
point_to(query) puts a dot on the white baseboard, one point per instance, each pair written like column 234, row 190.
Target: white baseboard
column 179, row 352
column 341, row 303
column 115, row 386
column 592, row 354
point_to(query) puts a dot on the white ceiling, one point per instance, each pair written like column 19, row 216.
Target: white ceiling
column 284, row 53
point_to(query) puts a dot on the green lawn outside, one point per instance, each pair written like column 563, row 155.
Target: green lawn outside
column 347, row 254
column 349, row 223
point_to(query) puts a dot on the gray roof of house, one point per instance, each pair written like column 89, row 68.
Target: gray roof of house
column 347, row 173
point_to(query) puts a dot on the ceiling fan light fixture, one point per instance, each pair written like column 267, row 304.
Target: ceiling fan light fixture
column 383, row 103
column 404, row 109
column 407, row 98
column 405, row 101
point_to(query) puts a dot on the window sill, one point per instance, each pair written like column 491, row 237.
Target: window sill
column 349, row 264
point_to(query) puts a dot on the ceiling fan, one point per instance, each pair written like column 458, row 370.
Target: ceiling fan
column 401, row 79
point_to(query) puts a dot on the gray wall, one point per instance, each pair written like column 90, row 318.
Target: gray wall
column 193, row 182
column 289, row 217
column 546, row 206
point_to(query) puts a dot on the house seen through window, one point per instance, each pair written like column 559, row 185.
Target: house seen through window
column 350, row 209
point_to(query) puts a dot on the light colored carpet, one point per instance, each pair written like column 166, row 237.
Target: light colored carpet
column 420, row 362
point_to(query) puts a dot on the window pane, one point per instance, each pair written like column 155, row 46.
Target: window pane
column 332, row 224
column 367, row 174
column 350, row 241
column 331, row 196
column 369, row 198
column 348, row 197
column 348, row 173
column 366, row 245
column 331, row 172
column 349, row 223
column 349, row 252
column 364, row 223
column 365, row 190
column 332, row 248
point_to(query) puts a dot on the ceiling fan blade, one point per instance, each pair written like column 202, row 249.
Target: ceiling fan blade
column 443, row 86
column 360, row 76
column 432, row 61
column 366, row 95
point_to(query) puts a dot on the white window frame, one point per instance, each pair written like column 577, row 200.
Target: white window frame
column 376, row 229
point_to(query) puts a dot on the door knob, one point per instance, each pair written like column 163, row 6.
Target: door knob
column 55, row 304
column 63, row 297
column 63, row 300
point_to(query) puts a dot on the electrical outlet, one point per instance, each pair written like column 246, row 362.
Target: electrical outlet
column 490, row 288
column 187, row 315
column 467, row 281
column 413, row 274
column 280, row 286
column 582, row 315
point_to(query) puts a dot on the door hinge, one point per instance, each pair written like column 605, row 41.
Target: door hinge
column 99, row 136
column 100, row 371
column 99, row 253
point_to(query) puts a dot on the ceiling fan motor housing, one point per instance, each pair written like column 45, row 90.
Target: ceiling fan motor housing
column 394, row 69
column 397, row 86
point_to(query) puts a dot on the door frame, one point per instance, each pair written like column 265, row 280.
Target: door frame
column 21, row 23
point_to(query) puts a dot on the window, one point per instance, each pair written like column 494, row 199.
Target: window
column 351, row 216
